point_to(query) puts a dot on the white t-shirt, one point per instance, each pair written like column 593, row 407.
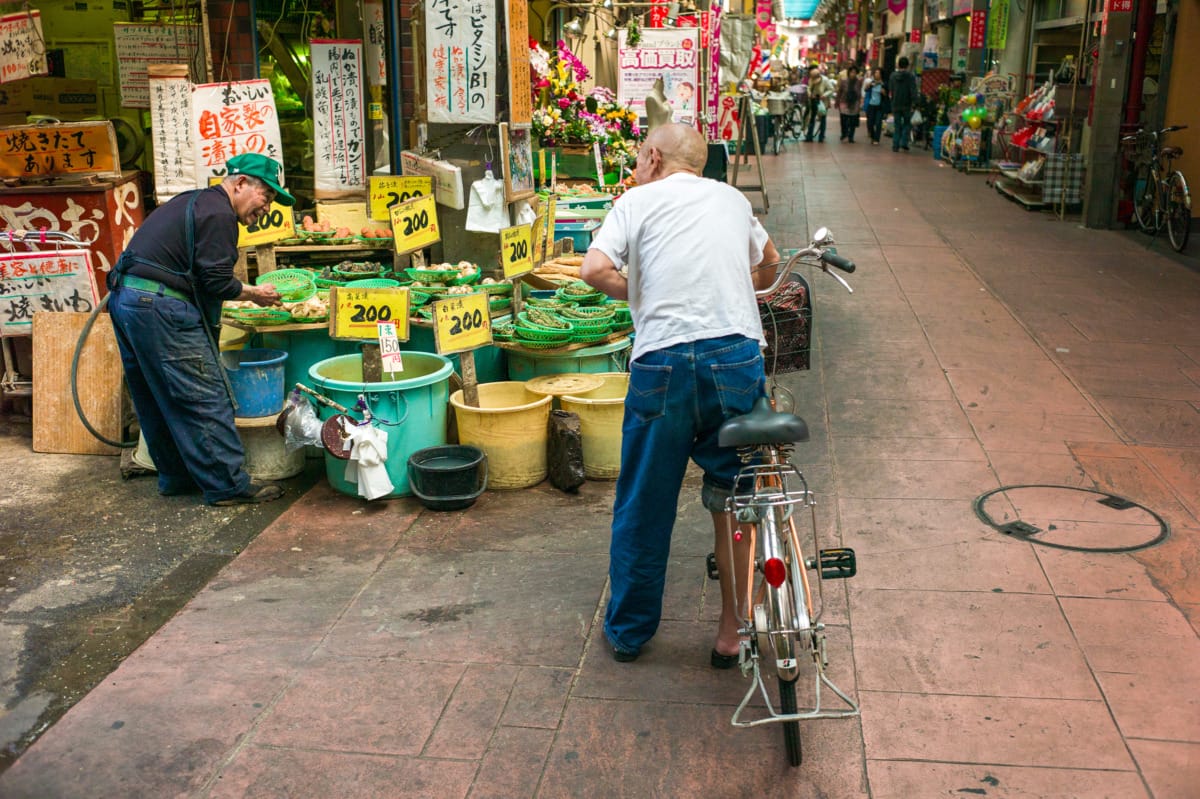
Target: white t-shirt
column 689, row 243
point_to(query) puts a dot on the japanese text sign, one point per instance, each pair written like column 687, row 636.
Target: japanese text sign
column 460, row 60
column 516, row 251
column 356, row 313
column 851, row 25
column 1119, row 6
column 978, row 35
column 22, row 48
column 229, row 119
column 141, row 45
column 389, row 190
column 337, row 94
column 916, row 36
column 415, row 224
column 43, row 281
column 39, row 151
column 669, row 53
column 376, row 43
column 461, row 323
column 520, row 97
column 389, row 348
column 174, row 158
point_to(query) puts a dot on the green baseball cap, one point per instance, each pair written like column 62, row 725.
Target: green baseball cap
column 266, row 169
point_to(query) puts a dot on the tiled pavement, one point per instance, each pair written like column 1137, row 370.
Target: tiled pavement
column 382, row 651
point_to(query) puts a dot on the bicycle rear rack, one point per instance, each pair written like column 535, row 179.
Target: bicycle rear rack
column 850, row 710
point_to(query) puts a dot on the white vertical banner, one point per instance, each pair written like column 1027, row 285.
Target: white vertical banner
column 460, row 60
column 229, row 119
column 376, row 62
column 174, row 162
column 22, row 47
column 337, row 88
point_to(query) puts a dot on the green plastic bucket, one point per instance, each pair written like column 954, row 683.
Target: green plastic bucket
column 411, row 409
column 527, row 364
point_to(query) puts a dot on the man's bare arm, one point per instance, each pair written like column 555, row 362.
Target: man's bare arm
column 600, row 272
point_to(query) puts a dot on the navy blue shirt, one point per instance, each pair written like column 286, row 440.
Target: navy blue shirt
column 162, row 239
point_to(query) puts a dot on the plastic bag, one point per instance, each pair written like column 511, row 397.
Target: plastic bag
column 917, row 117
column 487, row 211
column 302, row 428
column 821, row 109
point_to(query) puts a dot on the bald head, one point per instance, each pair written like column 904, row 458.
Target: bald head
column 682, row 147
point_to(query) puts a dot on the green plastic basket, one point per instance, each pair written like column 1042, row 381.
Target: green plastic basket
column 524, row 320
column 467, row 279
column 373, row 283
column 583, row 298
column 293, row 285
column 595, row 313
column 523, row 332
column 495, row 288
column 541, row 345
column 357, row 274
column 499, row 304
column 432, row 275
column 327, row 283
column 585, row 337
column 259, row 316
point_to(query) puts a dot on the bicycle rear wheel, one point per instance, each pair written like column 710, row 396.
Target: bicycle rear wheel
column 1143, row 199
column 1179, row 211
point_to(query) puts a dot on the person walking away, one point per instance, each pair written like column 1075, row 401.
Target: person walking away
column 902, row 88
column 696, row 363
column 167, row 288
column 849, row 102
column 874, row 93
column 820, row 94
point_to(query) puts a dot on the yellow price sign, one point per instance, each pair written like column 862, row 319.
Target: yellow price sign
column 356, row 313
column 415, row 224
column 548, row 232
column 389, row 190
column 539, row 238
column 515, row 251
column 278, row 223
column 461, row 323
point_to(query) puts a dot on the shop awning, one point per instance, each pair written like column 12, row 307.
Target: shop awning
column 800, row 9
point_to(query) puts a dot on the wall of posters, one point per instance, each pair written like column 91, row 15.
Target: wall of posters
column 337, row 93
column 229, row 119
column 141, row 45
column 460, row 61
column 672, row 54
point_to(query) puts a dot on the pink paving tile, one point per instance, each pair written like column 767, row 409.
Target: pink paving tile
column 634, row 749
column 898, row 418
column 1175, row 564
column 1004, row 388
column 1101, row 575
column 471, row 716
column 1155, row 422
column 538, row 697
column 1048, row 733
column 1134, row 479
column 1171, row 768
column 1179, row 468
column 999, row 566
column 913, row 479
column 1015, row 645
column 1158, row 704
column 1192, row 611
column 353, row 705
column 915, row 376
column 956, row 349
column 858, row 448
column 513, row 764
column 1033, row 468
column 1037, row 432
column 269, row 773
column 900, row 780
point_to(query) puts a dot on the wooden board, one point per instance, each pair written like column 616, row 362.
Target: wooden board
column 56, row 425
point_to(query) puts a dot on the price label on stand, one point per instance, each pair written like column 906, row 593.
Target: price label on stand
column 516, row 254
column 461, row 323
column 415, row 224
column 390, row 190
column 355, row 314
column 539, row 238
column 277, row 223
column 390, row 356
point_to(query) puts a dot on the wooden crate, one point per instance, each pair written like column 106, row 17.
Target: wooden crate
column 56, row 425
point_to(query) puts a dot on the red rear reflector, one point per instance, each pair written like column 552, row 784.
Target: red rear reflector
column 775, row 572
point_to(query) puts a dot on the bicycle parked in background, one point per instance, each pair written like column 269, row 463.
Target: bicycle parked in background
column 1161, row 196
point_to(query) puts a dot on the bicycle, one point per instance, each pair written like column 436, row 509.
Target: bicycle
column 1161, row 196
column 775, row 607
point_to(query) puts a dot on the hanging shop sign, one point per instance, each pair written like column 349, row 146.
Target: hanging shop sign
column 915, row 38
column 520, row 94
column 658, row 14
column 43, row 151
column 43, row 281
column 997, row 32
column 389, row 190
column 24, row 49
column 977, row 38
column 140, row 46
column 460, row 61
column 960, row 7
column 851, row 25
column 672, row 54
column 174, row 157
column 461, row 323
column 375, row 43
column 447, row 178
column 340, row 167
column 712, row 98
column 355, row 314
column 897, row 6
column 229, row 119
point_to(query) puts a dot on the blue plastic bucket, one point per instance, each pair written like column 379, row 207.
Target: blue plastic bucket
column 305, row 348
column 257, row 379
column 938, row 131
column 412, row 409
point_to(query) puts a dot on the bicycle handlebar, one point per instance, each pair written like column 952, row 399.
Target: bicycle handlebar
column 833, row 259
column 824, row 257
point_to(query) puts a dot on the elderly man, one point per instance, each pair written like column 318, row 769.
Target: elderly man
column 691, row 245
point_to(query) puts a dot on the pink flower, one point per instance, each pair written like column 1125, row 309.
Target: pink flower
column 564, row 103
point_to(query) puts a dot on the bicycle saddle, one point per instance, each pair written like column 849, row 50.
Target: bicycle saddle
column 1171, row 152
column 763, row 425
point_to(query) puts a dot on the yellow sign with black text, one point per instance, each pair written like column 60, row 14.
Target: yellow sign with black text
column 516, row 254
column 389, row 190
column 277, row 223
column 461, row 323
column 356, row 313
column 415, row 224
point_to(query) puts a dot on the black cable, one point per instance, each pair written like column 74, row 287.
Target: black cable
column 87, row 328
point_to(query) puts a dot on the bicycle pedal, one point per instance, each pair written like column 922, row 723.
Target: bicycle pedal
column 838, row 563
column 711, row 563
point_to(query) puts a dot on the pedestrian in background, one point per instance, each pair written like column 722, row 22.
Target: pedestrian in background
column 849, row 102
column 874, row 93
column 902, row 88
column 820, row 95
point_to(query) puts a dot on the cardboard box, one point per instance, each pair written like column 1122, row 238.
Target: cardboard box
column 68, row 99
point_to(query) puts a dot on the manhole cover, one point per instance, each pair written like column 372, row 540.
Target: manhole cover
column 1068, row 517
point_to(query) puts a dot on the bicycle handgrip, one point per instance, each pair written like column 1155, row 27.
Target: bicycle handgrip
column 833, row 259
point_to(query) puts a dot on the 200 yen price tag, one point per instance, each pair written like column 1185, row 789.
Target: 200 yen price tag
column 356, row 313
column 515, row 251
column 415, row 224
column 277, row 223
column 389, row 190
column 461, row 323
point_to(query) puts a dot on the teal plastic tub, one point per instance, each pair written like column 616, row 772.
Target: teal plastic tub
column 257, row 380
column 305, row 348
column 412, row 409
column 579, row 232
column 528, row 364
column 489, row 361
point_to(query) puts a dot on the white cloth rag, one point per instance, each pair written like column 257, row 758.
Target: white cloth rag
column 368, row 461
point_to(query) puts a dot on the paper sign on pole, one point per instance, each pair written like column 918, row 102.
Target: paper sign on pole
column 340, row 167
column 43, row 281
column 516, row 250
column 174, row 159
column 142, row 45
column 447, row 178
column 355, row 314
column 672, row 54
column 415, row 224
column 229, row 119
column 520, row 95
column 376, row 43
column 461, row 323
column 460, row 61
column 24, row 49
column 390, row 355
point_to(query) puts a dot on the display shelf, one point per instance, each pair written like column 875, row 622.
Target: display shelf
column 1015, row 191
column 266, row 256
column 1013, row 174
column 288, row 328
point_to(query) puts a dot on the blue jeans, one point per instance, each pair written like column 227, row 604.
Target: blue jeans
column 678, row 398
column 815, row 120
column 178, row 392
column 903, row 131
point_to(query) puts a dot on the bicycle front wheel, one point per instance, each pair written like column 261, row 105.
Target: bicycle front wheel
column 1179, row 211
column 1143, row 199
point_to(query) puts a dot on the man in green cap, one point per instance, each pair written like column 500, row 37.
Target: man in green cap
column 167, row 289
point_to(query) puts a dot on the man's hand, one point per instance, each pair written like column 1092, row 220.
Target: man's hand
column 264, row 295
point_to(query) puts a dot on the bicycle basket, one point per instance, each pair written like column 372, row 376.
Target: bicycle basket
column 787, row 324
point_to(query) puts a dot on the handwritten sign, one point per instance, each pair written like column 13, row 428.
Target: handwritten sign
column 23, row 50
column 375, row 44
column 538, row 235
column 229, row 119
column 977, row 37
column 460, row 61
column 174, row 158
column 713, row 98
column 337, row 94
column 141, row 45
column 415, row 224
column 43, row 281
column 389, row 190
column 461, row 323
column 520, row 96
column 447, row 177
column 516, row 250
column 355, row 314
column 672, row 54
column 389, row 348
column 77, row 148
